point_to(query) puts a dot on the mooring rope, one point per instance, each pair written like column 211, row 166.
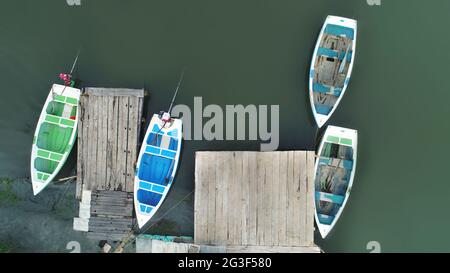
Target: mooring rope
column 126, row 242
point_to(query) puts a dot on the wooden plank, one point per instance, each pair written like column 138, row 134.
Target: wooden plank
column 110, row 228
column 132, row 141
column 110, row 221
column 95, row 147
column 113, row 147
column 200, row 201
column 290, row 228
column 282, row 198
column 275, row 195
column 111, row 207
column 253, row 199
column 111, row 197
column 234, row 197
column 310, row 160
column 110, row 136
column 261, row 176
column 297, row 199
column 101, row 150
column 140, row 116
column 211, row 180
column 228, row 177
column 111, row 211
column 116, row 92
column 111, row 201
column 110, row 193
column 79, row 183
column 301, row 159
column 106, row 236
column 85, row 147
column 221, row 226
column 267, row 201
column 245, row 195
column 92, row 142
column 126, row 226
column 122, row 144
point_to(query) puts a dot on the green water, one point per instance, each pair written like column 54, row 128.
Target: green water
column 257, row 52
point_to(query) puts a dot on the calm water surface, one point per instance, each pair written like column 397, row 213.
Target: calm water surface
column 257, row 52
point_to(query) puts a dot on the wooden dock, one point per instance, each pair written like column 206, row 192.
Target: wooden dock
column 108, row 133
column 255, row 201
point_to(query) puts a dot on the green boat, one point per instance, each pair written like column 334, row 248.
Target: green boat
column 55, row 135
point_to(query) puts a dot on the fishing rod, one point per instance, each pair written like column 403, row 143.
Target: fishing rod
column 75, row 62
column 67, row 78
column 176, row 90
column 165, row 116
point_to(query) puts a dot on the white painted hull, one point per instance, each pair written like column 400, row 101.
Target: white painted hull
column 345, row 22
column 39, row 179
column 342, row 134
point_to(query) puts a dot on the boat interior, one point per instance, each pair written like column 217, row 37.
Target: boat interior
column 63, row 110
column 331, row 67
column 332, row 179
column 52, row 137
column 155, row 168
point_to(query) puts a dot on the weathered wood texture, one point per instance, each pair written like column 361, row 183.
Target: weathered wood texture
column 254, row 199
column 108, row 139
column 111, row 215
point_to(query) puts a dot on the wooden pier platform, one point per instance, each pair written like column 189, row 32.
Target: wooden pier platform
column 255, row 201
column 108, row 133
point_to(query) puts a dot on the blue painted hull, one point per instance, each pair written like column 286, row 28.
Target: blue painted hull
column 156, row 167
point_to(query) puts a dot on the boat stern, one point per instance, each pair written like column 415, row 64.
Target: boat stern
column 345, row 133
column 342, row 21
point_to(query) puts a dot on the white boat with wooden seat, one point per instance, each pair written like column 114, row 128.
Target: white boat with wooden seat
column 331, row 66
column 333, row 177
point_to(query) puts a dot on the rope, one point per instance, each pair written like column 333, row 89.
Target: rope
column 127, row 240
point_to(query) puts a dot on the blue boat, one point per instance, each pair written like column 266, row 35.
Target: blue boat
column 157, row 165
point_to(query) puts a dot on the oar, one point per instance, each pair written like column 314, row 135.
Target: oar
column 344, row 61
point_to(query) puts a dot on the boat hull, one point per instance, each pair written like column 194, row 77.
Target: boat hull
column 54, row 136
column 333, row 175
column 156, row 167
column 335, row 50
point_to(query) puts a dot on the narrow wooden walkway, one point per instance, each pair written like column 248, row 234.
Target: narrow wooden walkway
column 250, row 199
